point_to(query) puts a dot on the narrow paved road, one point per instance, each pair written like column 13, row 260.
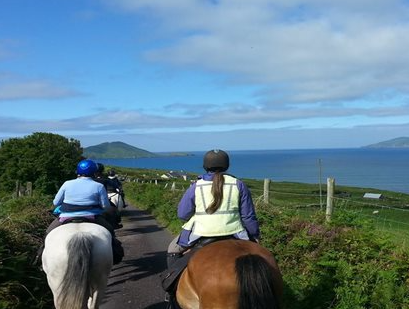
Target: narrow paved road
column 135, row 282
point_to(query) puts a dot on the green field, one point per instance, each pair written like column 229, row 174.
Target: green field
column 390, row 214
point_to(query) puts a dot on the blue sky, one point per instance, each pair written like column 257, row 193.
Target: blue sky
column 180, row 75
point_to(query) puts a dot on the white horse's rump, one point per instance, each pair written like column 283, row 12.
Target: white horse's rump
column 117, row 199
column 77, row 259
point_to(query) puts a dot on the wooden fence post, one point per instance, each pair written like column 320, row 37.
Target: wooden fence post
column 29, row 188
column 330, row 198
column 17, row 188
column 266, row 190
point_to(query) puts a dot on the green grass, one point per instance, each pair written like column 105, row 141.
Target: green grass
column 392, row 211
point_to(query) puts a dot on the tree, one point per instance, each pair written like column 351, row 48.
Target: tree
column 45, row 159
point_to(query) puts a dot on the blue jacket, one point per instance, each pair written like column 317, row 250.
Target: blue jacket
column 81, row 197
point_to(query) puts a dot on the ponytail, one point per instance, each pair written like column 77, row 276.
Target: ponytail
column 217, row 192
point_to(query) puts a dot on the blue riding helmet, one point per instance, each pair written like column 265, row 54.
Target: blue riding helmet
column 87, row 168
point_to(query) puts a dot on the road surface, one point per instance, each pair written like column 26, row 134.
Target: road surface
column 135, row 282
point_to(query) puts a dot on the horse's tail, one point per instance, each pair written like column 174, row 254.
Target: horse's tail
column 74, row 289
column 255, row 280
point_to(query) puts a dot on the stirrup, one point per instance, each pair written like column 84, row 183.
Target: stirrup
column 175, row 254
column 171, row 258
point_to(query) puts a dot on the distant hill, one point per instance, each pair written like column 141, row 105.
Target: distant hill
column 116, row 150
column 400, row 142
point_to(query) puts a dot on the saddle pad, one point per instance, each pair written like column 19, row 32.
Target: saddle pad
column 65, row 220
column 171, row 276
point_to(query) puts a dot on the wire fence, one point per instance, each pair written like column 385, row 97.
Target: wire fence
column 386, row 217
column 389, row 212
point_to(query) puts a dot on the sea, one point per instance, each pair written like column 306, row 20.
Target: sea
column 377, row 168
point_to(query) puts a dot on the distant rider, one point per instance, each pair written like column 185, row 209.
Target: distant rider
column 115, row 185
column 113, row 217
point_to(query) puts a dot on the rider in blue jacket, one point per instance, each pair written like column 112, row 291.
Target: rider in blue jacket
column 83, row 199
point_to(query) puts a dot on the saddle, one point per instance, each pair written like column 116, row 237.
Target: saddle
column 170, row 277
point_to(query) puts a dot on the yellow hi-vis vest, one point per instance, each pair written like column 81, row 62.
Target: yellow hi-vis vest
column 225, row 220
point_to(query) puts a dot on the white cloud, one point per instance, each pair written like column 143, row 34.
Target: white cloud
column 319, row 50
column 38, row 89
column 213, row 119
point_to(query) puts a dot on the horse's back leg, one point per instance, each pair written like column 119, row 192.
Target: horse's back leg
column 94, row 300
column 101, row 268
column 98, row 291
column 185, row 293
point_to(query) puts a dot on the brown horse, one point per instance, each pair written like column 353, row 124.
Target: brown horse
column 231, row 274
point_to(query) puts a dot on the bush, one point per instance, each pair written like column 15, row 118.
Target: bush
column 339, row 265
column 45, row 159
column 22, row 226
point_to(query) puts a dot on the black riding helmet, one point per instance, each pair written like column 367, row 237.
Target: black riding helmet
column 111, row 173
column 101, row 168
column 216, row 160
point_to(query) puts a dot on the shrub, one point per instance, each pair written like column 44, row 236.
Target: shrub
column 45, row 159
column 22, row 226
column 345, row 264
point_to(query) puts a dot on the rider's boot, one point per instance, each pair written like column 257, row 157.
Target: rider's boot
column 118, row 219
column 170, row 295
column 117, row 251
column 123, row 201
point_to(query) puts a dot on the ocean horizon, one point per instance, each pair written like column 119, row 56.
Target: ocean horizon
column 377, row 168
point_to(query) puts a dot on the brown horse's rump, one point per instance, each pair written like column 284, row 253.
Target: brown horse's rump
column 210, row 279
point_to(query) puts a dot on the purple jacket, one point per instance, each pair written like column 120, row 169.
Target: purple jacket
column 187, row 208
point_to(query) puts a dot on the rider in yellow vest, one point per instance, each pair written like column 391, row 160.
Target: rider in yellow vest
column 217, row 204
